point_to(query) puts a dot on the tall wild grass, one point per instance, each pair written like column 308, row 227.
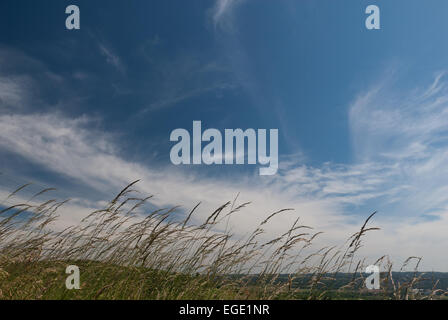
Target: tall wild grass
column 126, row 253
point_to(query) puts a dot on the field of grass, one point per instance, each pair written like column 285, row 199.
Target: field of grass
column 123, row 253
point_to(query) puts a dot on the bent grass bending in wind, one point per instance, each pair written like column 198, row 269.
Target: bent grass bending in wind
column 125, row 255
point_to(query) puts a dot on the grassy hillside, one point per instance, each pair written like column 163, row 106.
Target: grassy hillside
column 123, row 253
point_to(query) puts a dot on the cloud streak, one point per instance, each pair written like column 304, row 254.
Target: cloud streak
column 112, row 58
column 407, row 131
column 222, row 13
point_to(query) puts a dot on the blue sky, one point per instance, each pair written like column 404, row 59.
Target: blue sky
column 361, row 113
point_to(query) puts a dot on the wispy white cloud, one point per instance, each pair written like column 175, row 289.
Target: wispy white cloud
column 16, row 84
column 12, row 93
column 408, row 131
column 183, row 77
column 112, row 58
column 222, row 13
